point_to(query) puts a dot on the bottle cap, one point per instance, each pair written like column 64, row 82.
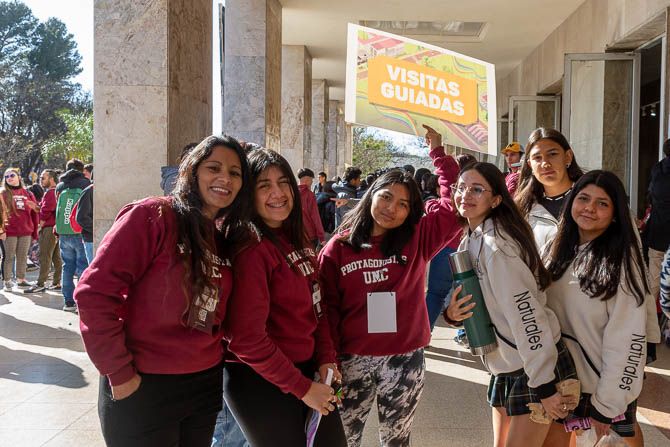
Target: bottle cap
column 460, row 261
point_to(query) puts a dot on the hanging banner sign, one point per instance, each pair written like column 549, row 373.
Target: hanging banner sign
column 398, row 84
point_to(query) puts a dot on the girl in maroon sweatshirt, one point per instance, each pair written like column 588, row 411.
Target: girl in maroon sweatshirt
column 275, row 324
column 373, row 277
column 152, row 303
column 21, row 228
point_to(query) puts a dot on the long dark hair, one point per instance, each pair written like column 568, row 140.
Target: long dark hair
column 508, row 222
column 197, row 237
column 530, row 189
column 360, row 222
column 598, row 267
column 259, row 161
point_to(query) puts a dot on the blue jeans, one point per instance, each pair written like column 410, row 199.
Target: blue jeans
column 88, row 247
column 439, row 284
column 73, row 255
column 227, row 432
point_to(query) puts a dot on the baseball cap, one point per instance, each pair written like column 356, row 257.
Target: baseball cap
column 514, row 146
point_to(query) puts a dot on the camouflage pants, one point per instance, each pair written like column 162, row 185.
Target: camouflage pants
column 397, row 383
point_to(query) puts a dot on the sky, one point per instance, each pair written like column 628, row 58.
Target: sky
column 78, row 17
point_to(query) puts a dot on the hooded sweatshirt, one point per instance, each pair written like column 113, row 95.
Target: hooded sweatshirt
column 132, row 297
column 526, row 329
column 272, row 324
column 606, row 340
column 348, row 278
column 310, row 214
column 72, row 179
column 22, row 220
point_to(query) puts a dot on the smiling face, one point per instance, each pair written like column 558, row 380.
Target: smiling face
column 273, row 197
column 12, row 178
column 593, row 211
column 549, row 162
column 390, row 208
column 219, row 179
column 474, row 198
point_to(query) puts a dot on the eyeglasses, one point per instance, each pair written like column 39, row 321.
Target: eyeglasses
column 476, row 190
column 12, row 175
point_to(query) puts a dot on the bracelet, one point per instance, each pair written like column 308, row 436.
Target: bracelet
column 449, row 321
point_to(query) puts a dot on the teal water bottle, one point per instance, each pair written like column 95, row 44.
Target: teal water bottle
column 478, row 327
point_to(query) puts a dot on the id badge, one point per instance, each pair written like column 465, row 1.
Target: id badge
column 203, row 310
column 316, row 300
column 382, row 313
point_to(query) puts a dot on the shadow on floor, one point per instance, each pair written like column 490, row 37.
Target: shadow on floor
column 40, row 368
column 38, row 334
column 454, row 356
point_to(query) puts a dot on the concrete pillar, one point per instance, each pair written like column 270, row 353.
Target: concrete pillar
column 252, row 72
column 296, row 113
column 341, row 137
column 331, row 151
column 348, row 145
column 152, row 95
column 319, row 125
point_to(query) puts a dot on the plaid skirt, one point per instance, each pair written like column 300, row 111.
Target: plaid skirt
column 512, row 392
column 625, row 428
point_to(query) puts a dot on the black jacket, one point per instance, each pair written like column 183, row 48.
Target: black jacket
column 72, row 179
column 657, row 234
column 84, row 215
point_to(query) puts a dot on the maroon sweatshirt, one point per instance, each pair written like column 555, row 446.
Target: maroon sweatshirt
column 131, row 299
column 271, row 324
column 23, row 220
column 347, row 277
column 48, row 208
column 310, row 214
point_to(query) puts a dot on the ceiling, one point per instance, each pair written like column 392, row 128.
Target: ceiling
column 514, row 28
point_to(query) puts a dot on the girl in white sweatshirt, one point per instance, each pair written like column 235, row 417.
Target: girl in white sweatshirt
column 598, row 296
column 530, row 358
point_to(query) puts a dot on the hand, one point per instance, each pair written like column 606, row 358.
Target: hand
column 557, row 406
column 433, row 138
column 600, row 428
column 456, row 311
column 126, row 389
column 33, row 205
column 320, row 397
column 340, row 202
column 323, row 372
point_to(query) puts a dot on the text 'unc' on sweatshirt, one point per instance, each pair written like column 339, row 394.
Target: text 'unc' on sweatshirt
column 607, row 340
column 272, row 324
column 131, row 299
column 347, row 277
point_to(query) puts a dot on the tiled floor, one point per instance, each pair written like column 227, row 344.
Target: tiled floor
column 48, row 387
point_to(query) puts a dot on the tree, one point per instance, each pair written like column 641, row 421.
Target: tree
column 76, row 142
column 371, row 152
column 37, row 61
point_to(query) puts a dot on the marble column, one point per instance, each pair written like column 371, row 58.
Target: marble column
column 296, row 112
column 318, row 160
column 152, row 95
column 341, row 137
column 331, row 150
column 252, row 71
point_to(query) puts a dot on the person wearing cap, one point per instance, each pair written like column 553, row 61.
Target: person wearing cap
column 310, row 210
column 513, row 153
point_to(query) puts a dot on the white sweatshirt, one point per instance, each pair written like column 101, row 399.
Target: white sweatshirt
column 545, row 226
column 607, row 340
column 517, row 308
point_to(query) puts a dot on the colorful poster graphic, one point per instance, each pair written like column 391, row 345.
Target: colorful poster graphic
column 398, row 84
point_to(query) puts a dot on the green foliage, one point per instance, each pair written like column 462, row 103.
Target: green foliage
column 37, row 62
column 76, row 142
column 371, row 152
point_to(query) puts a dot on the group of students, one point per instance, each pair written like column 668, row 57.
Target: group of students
column 220, row 273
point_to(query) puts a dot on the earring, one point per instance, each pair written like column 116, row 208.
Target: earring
column 568, row 165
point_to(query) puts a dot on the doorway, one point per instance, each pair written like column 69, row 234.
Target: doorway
column 650, row 117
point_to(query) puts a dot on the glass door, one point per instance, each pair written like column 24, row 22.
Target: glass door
column 527, row 113
column 600, row 113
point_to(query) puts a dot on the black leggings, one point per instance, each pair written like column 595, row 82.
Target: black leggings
column 167, row 410
column 269, row 417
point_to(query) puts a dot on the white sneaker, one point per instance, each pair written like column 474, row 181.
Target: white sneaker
column 9, row 285
column 67, row 308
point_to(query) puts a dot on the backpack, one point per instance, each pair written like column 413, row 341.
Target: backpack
column 73, row 221
column 65, row 211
